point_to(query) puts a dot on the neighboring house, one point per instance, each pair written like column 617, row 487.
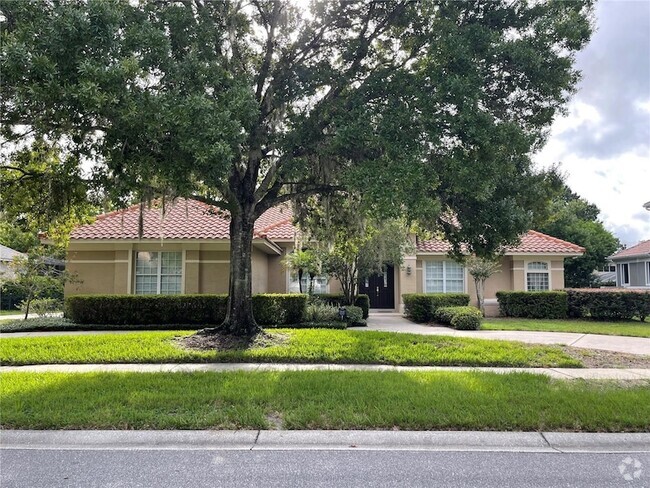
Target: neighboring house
column 633, row 266
column 187, row 252
column 606, row 275
column 7, row 255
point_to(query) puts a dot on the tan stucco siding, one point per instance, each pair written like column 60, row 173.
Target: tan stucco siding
column 277, row 278
column 92, row 278
column 214, row 277
column 260, row 265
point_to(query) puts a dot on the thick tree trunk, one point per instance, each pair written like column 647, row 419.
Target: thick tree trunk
column 239, row 316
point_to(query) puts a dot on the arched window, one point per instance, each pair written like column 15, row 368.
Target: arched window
column 537, row 276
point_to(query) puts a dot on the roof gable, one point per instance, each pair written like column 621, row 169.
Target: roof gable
column 641, row 249
column 532, row 242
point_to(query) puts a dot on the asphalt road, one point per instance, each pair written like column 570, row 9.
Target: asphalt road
column 87, row 468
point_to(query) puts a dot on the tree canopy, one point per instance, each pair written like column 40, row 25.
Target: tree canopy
column 427, row 108
column 574, row 219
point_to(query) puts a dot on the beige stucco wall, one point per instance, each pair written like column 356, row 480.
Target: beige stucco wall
column 95, row 272
column 260, row 271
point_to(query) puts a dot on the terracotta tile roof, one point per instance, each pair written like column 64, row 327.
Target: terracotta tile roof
column 531, row 242
column 184, row 219
column 641, row 249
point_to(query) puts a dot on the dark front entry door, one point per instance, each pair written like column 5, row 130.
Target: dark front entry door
column 380, row 288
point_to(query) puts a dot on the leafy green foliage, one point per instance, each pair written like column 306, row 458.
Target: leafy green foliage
column 301, row 262
column 35, row 277
column 574, row 219
column 533, row 304
column 461, row 318
column 609, row 305
column 41, row 190
column 421, row 307
column 338, row 300
column 251, row 105
column 269, row 309
column 354, row 316
column 318, row 311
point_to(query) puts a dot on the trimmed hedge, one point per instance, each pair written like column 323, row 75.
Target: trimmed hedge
column 461, row 318
column 279, row 308
column 269, row 309
column 338, row 300
column 609, row 304
column 533, row 304
column 421, row 307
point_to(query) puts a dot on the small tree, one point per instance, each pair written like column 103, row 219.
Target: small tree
column 303, row 261
column 355, row 255
column 36, row 278
column 481, row 269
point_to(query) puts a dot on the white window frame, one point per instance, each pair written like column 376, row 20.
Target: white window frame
column 289, row 280
column 647, row 273
column 444, row 276
column 547, row 271
column 159, row 273
column 623, row 282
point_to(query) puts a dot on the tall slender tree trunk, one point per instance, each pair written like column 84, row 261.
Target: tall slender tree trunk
column 239, row 315
column 480, row 285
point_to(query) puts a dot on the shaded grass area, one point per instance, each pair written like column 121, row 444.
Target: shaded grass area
column 300, row 346
column 320, row 400
column 623, row 328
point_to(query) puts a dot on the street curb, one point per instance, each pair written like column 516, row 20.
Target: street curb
column 552, row 442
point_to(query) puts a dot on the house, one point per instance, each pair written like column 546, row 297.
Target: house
column 187, row 251
column 633, row 266
column 7, row 255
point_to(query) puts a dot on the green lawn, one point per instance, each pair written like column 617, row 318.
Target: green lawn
column 631, row 328
column 303, row 346
column 9, row 312
column 320, row 400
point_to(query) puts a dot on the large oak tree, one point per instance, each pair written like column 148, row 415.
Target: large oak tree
column 427, row 108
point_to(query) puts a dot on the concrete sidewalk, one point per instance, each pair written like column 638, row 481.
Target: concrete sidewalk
column 552, row 442
column 560, row 373
column 394, row 322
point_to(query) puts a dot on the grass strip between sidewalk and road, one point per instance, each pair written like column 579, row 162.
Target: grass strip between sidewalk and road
column 301, row 346
column 321, row 400
column 623, row 328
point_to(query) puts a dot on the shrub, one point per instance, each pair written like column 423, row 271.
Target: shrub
column 609, row 304
column 354, row 316
column 146, row 309
column 338, row 300
column 533, row 304
column 318, row 311
column 268, row 309
column 42, row 306
column 38, row 323
column 337, row 324
column 420, row 307
column 462, row 318
column 279, row 308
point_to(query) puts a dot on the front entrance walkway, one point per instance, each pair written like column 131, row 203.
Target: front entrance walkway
column 395, row 322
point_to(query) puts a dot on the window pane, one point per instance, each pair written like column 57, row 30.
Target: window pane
column 146, row 285
column 146, row 263
column 455, row 277
column 538, row 266
column 320, row 284
column 172, row 263
column 434, row 280
column 537, row 281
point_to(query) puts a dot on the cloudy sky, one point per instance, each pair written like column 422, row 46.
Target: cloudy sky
column 604, row 141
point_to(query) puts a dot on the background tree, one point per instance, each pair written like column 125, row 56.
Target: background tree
column 35, row 277
column 426, row 107
column 42, row 191
column 481, row 269
column 574, row 219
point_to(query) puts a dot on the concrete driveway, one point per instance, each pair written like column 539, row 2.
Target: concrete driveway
column 394, row 322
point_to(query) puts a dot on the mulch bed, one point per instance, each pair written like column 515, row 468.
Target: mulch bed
column 227, row 342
